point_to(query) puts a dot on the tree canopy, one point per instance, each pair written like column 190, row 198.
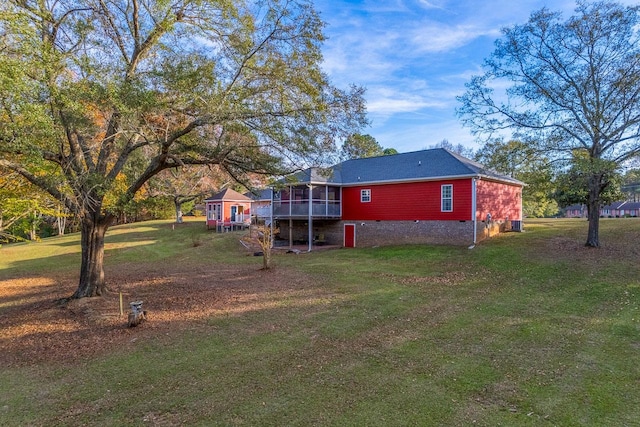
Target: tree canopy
column 572, row 184
column 98, row 96
column 186, row 185
column 574, row 84
column 631, row 184
column 458, row 148
column 23, row 208
column 358, row 146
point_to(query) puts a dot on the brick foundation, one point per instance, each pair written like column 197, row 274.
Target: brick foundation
column 374, row 233
column 383, row 233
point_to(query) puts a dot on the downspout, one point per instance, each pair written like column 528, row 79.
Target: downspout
column 271, row 221
column 290, row 218
column 521, row 210
column 310, row 216
column 474, row 210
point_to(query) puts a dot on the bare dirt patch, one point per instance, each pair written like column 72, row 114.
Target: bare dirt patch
column 620, row 248
column 37, row 326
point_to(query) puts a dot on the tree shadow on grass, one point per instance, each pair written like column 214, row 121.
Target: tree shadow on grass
column 114, row 243
column 36, row 329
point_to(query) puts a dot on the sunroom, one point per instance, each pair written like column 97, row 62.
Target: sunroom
column 303, row 201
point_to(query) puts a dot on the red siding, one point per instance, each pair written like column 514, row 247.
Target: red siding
column 407, row 201
column 500, row 200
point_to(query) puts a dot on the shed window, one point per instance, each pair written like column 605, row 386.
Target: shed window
column 365, row 196
column 215, row 211
column 446, row 192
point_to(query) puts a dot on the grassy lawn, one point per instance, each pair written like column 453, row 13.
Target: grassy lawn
column 526, row 329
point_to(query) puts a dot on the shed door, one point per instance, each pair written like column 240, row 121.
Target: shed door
column 349, row 235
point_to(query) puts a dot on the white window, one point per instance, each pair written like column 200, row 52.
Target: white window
column 215, row 212
column 365, row 196
column 446, row 192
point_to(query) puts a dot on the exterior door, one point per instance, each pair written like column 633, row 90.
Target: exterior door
column 349, row 235
column 234, row 209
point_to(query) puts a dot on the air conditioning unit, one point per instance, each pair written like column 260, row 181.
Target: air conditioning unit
column 516, row 225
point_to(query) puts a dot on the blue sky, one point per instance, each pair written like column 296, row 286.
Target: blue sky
column 414, row 57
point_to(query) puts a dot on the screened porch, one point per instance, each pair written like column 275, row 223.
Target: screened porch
column 304, row 201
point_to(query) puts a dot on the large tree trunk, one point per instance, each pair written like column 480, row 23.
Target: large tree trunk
column 92, row 269
column 593, row 211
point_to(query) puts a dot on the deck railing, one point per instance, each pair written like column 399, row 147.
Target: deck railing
column 300, row 208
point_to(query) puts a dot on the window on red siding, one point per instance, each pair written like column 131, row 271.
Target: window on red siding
column 446, row 192
column 365, row 196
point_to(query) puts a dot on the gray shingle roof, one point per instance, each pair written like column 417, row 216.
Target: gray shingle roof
column 264, row 194
column 430, row 164
column 623, row 205
column 229, row 194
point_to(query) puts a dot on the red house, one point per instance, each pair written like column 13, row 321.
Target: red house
column 429, row 196
column 621, row 210
column 575, row 211
column 228, row 210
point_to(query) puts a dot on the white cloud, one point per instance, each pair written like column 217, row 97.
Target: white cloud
column 414, row 57
column 397, row 103
column 431, row 4
column 437, row 37
column 361, row 54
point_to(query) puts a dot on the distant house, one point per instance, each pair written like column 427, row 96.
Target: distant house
column 429, row 196
column 620, row 210
column 228, row 210
column 575, row 211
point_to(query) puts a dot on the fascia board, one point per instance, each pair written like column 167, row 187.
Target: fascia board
column 504, row 181
column 409, row 180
